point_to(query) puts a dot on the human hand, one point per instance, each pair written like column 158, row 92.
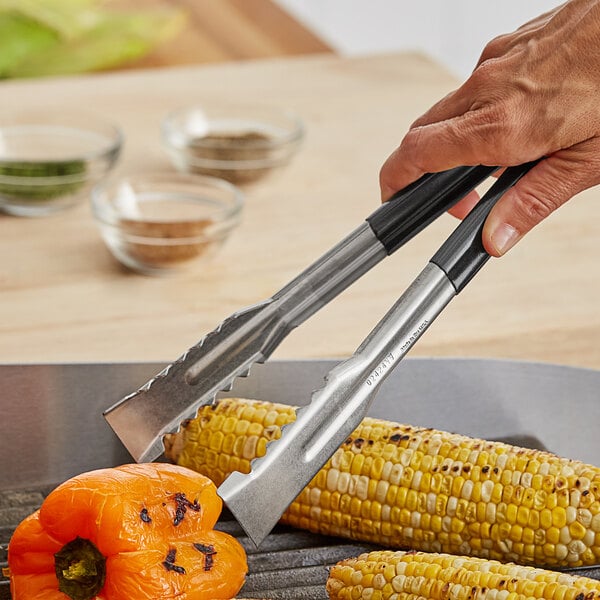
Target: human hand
column 534, row 93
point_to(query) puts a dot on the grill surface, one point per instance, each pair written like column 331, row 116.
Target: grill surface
column 289, row 564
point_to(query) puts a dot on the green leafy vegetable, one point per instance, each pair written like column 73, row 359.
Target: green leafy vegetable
column 20, row 37
column 59, row 37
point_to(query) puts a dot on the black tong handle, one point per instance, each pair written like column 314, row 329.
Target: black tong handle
column 462, row 254
column 414, row 207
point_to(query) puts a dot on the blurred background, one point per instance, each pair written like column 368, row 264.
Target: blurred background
column 56, row 37
column 453, row 32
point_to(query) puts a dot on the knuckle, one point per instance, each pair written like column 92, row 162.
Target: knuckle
column 412, row 147
column 495, row 47
column 397, row 171
column 485, row 73
column 387, row 171
column 494, row 132
column 496, row 116
column 550, row 185
column 533, row 206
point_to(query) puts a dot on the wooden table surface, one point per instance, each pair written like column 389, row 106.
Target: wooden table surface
column 63, row 297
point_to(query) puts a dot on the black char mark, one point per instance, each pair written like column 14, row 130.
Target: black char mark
column 182, row 504
column 169, row 562
column 209, row 553
column 144, row 516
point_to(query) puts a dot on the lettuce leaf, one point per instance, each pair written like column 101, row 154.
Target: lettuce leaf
column 20, row 37
column 66, row 18
column 74, row 36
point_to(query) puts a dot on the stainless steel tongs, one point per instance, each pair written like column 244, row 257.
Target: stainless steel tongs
column 143, row 418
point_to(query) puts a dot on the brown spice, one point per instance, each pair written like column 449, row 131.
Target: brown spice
column 164, row 255
column 244, row 146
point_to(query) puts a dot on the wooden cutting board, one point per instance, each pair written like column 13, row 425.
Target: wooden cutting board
column 63, row 298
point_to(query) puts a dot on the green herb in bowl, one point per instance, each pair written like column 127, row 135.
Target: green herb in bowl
column 50, row 162
column 37, row 180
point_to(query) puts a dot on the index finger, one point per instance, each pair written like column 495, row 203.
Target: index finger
column 462, row 140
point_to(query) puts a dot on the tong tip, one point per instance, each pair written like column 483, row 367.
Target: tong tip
column 239, row 493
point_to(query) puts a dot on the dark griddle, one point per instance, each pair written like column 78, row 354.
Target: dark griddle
column 290, row 564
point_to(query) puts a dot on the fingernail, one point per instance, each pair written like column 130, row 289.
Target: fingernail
column 504, row 238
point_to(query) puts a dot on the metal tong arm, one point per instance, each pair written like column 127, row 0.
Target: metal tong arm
column 386, row 230
column 338, row 407
column 250, row 335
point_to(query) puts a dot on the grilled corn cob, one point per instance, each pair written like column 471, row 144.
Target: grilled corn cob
column 389, row 575
column 407, row 487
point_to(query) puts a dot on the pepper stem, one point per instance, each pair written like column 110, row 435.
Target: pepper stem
column 80, row 569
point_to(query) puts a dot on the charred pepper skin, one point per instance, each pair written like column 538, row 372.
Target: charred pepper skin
column 129, row 532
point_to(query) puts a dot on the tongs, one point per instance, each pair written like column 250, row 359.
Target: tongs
column 258, row 499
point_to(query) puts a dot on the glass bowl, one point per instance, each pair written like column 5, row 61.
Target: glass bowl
column 238, row 143
column 50, row 162
column 164, row 223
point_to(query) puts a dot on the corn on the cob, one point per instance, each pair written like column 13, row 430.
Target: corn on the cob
column 407, row 487
column 389, row 575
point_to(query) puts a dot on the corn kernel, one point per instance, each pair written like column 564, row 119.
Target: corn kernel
column 457, row 485
column 577, row 530
column 496, row 493
column 446, row 488
column 559, row 517
column 404, row 517
column 411, row 500
column 436, row 523
column 441, row 505
column 436, row 482
column 407, row 477
column 332, row 478
column 562, row 498
column 511, row 513
column 415, row 484
column 584, row 516
column 460, row 512
column 516, row 533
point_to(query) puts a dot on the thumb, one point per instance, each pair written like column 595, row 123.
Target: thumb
column 540, row 192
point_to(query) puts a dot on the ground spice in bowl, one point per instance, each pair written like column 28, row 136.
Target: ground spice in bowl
column 160, row 223
column 239, row 143
column 164, row 244
column 232, row 146
column 238, row 157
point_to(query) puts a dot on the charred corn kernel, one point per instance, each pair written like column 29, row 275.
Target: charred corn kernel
column 412, row 575
column 403, row 486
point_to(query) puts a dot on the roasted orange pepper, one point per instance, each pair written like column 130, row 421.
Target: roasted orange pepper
column 132, row 532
